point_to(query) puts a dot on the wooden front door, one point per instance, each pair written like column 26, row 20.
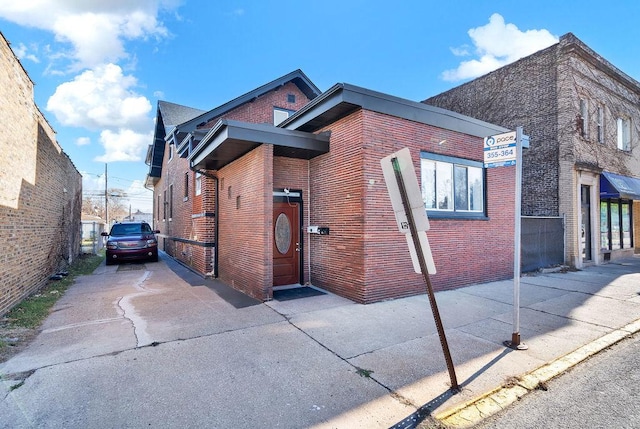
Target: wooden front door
column 286, row 243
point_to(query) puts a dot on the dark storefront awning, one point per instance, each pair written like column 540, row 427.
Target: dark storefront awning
column 617, row 186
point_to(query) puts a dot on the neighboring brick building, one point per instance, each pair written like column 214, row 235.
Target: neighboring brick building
column 583, row 117
column 40, row 190
column 262, row 187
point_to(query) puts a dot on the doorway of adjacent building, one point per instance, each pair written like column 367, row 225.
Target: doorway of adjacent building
column 586, row 222
column 287, row 246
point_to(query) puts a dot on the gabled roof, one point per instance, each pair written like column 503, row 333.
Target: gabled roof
column 168, row 116
column 297, row 77
column 175, row 114
column 177, row 122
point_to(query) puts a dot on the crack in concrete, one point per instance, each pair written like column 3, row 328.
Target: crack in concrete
column 393, row 393
column 129, row 313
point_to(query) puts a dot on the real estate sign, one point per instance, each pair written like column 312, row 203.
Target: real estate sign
column 500, row 150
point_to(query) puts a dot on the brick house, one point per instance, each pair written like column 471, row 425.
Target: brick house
column 245, row 192
column 40, row 190
column 583, row 164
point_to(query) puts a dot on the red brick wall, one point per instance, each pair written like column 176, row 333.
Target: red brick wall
column 365, row 257
column 189, row 235
column 246, row 223
column 260, row 110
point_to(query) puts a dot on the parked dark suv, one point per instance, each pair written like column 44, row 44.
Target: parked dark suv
column 130, row 241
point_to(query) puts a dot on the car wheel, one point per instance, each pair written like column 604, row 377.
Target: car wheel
column 109, row 261
column 154, row 258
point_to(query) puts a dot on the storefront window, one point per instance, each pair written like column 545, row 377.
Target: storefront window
column 615, row 226
column 604, row 225
column 626, row 225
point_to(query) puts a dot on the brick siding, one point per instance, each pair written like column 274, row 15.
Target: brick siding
column 40, row 191
column 190, row 235
column 365, row 258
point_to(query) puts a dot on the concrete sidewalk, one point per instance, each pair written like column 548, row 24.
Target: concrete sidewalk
column 153, row 345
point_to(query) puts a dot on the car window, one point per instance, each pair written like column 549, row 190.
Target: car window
column 130, row 229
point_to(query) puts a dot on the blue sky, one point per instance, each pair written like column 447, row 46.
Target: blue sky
column 99, row 67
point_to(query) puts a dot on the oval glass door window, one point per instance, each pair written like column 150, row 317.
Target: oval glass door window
column 283, row 233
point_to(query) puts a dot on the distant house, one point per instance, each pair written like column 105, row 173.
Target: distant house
column 92, row 228
column 241, row 191
column 140, row 217
column 40, row 190
column 582, row 114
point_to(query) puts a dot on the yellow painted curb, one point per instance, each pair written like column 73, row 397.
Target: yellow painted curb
column 488, row 404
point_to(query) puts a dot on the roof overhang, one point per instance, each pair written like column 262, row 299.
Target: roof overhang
column 617, row 186
column 229, row 140
column 342, row 99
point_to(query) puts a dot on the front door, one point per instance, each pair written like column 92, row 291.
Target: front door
column 286, row 243
column 586, row 222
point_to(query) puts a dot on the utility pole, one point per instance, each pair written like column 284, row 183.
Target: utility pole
column 106, row 197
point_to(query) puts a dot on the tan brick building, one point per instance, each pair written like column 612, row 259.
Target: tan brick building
column 241, row 199
column 583, row 116
column 40, row 190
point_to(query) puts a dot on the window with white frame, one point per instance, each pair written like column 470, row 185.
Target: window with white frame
column 452, row 186
column 280, row 115
column 584, row 118
column 624, row 134
column 198, row 185
column 170, row 152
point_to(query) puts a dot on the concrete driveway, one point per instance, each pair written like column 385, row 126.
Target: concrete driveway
column 155, row 345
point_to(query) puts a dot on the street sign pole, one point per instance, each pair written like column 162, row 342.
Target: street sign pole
column 515, row 336
column 425, row 273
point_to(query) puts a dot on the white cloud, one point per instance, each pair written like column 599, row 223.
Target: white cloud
column 140, row 197
column 497, row 44
column 95, row 29
column 91, row 37
column 22, row 52
column 83, row 141
column 103, row 99
column 124, row 145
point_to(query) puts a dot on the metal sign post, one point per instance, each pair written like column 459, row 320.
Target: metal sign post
column 418, row 237
column 515, row 336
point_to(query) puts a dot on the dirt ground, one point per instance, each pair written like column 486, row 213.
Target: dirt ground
column 14, row 340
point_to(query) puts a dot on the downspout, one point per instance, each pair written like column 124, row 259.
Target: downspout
column 216, row 222
column 309, row 217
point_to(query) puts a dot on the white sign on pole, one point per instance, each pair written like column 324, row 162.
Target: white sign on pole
column 500, row 150
column 414, row 195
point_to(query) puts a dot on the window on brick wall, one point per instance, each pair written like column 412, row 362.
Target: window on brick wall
column 186, row 187
column 280, row 115
column 170, row 152
column 164, row 205
column 158, row 209
column 170, row 202
column 452, row 187
column 198, row 186
column 600, row 124
column 624, row 134
column 584, row 118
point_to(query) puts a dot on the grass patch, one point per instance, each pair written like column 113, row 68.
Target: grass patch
column 33, row 310
column 366, row 373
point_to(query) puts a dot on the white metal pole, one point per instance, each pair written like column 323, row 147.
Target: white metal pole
column 515, row 338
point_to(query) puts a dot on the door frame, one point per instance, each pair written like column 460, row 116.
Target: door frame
column 293, row 196
column 592, row 180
